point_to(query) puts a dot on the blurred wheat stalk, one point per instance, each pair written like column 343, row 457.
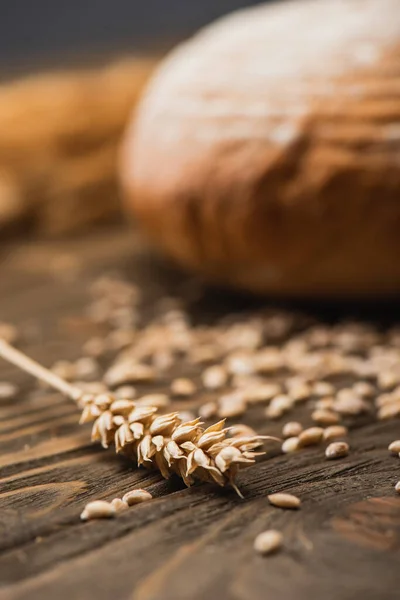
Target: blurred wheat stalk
column 59, row 140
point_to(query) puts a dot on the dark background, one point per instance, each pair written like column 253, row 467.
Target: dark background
column 51, row 32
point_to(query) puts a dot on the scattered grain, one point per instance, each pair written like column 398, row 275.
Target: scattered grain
column 397, row 487
column 310, row 437
column 268, row 360
column 268, row 542
column 163, row 360
column 231, row 405
column 183, row 387
column 394, row 448
column 86, row 368
column 119, row 505
column 299, row 392
column 122, row 373
column 202, row 355
column 8, row 390
column 278, row 406
column 119, row 338
column 8, row 333
column 292, row 429
column 283, row 500
column 383, row 399
column 208, row 410
column 322, row 388
column 186, row 416
column 64, row 369
column 241, row 430
column 290, row 445
column 324, row 417
column 157, row 400
column 326, row 403
column 127, row 392
column 99, row 509
column 240, row 364
column 387, row 380
column 95, row 346
column 136, row 497
column 337, row 450
column 363, row 389
column 215, row 377
column 335, row 431
column 262, row 392
column 389, row 411
column 350, row 405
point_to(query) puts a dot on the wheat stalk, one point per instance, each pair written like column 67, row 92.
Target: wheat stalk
column 156, row 441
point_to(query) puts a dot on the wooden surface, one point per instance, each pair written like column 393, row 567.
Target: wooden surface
column 196, row 543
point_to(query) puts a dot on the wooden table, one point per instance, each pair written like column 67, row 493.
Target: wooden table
column 344, row 543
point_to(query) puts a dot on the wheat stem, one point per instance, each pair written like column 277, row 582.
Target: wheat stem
column 19, row 359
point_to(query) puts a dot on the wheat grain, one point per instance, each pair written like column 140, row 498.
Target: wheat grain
column 7, row 390
column 397, row 487
column 136, row 497
column 241, row 430
column 334, row 431
column 290, row 445
column 324, row 417
column 208, row 410
column 231, row 405
column 322, row 388
column 268, row 542
column 127, row 392
column 95, row 347
column 8, row 333
column 86, row 368
column 389, row 410
column 215, row 377
column 292, row 429
column 326, row 403
column 350, row 404
column 262, row 392
column 278, row 406
column 157, row 400
column 299, row 391
column 186, row 415
column 363, row 389
column 240, row 363
column 119, row 505
column 283, row 500
column 122, row 373
column 310, row 436
column 394, row 447
column 337, row 450
column 64, row 369
column 387, row 380
column 98, row 509
column 183, row 387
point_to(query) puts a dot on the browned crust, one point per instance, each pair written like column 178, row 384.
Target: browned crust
column 317, row 213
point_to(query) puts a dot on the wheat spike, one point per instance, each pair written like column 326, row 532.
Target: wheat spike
column 161, row 442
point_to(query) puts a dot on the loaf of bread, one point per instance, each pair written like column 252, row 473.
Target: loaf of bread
column 265, row 152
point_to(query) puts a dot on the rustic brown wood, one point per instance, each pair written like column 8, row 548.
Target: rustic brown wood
column 196, row 543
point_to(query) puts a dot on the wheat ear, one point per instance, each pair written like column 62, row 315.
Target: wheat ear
column 156, row 441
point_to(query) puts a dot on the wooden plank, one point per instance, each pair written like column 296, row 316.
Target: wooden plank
column 343, row 544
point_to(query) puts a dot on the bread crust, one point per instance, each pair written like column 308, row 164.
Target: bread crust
column 266, row 151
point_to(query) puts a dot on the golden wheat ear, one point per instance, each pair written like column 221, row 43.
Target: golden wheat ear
column 163, row 442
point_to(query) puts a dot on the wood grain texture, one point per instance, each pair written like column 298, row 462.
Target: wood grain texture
column 194, row 543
